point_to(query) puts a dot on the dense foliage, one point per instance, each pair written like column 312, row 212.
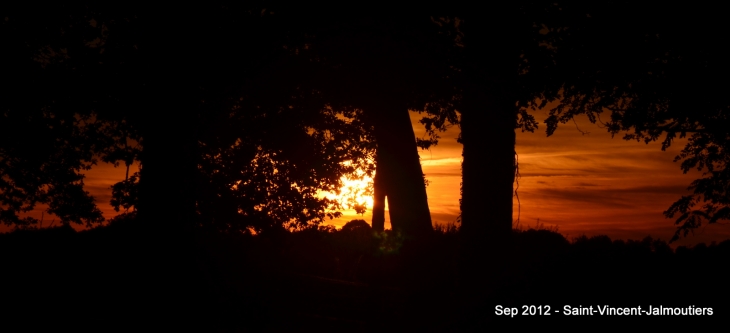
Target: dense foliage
column 86, row 83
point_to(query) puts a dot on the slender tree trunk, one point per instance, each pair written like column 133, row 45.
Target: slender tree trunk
column 399, row 177
column 379, row 197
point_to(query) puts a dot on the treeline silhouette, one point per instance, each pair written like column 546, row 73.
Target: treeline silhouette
column 241, row 115
column 351, row 278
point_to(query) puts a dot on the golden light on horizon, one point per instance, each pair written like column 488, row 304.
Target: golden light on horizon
column 354, row 195
column 581, row 183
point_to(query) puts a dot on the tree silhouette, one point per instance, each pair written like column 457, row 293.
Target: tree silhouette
column 45, row 148
column 208, row 102
column 500, row 60
column 533, row 53
column 385, row 64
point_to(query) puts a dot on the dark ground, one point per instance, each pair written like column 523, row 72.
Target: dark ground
column 116, row 278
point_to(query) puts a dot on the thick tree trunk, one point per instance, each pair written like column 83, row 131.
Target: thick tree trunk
column 168, row 169
column 169, row 136
column 399, row 177
column 489, row 116
column 488, row 169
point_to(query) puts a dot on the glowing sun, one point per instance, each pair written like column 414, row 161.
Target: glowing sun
column 355, row 194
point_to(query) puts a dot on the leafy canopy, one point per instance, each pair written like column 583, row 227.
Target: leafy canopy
column 80, row 78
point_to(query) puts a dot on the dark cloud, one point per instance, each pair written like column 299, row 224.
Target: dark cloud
column 581, row 196
column 577, row 157
column 442, row 174
column 604, row 169
column 540, row 174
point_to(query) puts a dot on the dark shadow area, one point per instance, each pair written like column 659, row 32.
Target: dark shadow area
column 112, row 278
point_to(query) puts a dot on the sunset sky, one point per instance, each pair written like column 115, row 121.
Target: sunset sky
column 588, row 184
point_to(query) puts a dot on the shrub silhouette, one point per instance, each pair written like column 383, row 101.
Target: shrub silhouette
column 355, row 241
column 356, row 226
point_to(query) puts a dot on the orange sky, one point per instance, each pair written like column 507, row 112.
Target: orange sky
column 588, row 184
column 595, row 184
column 583, row 184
